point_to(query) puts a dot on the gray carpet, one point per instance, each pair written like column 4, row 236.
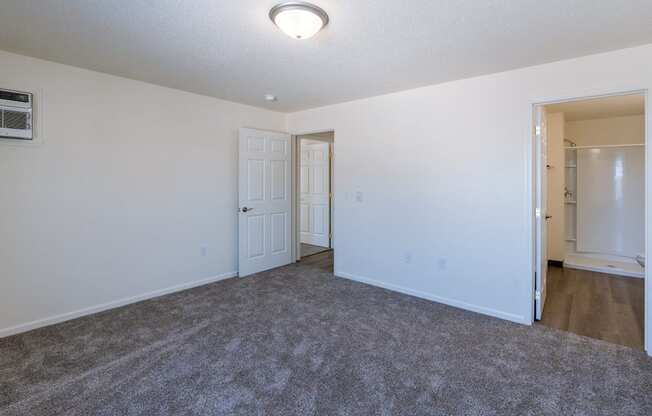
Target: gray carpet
column 298, row 341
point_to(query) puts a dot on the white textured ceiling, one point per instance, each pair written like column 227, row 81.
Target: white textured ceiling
column 229, row 48
column 613, row 106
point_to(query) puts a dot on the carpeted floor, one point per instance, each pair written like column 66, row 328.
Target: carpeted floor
column 298, row 341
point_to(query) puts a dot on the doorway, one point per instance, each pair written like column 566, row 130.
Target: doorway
column 590, row 217
column 271, row 228
column 314, row 193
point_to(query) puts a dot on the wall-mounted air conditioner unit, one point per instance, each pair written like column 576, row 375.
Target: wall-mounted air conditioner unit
column 15, row 115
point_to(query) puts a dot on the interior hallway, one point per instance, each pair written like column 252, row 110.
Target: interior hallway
column 596, row 305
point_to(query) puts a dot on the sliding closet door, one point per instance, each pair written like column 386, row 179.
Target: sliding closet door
column 610, row 200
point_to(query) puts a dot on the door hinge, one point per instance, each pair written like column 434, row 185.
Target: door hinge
column 537, row 212
column 538, row 130
column 537, row 295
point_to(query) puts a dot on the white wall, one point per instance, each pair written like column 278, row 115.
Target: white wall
column 613, row 130
column 446, row 180
column 129, row 181
column 556, row 183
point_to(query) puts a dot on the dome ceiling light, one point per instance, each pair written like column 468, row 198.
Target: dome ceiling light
column 298, row 19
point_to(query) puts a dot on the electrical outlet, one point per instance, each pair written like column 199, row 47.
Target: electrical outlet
column 358, row 196
column 203, row 250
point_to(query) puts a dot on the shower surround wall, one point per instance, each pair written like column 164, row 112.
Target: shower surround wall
column 604, row 213
column 610, row 200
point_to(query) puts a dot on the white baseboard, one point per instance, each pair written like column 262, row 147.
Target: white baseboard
column 428, row 296
column 17, row 329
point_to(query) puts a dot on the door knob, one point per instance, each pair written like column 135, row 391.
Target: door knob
column 548, row 217
column 245, row 209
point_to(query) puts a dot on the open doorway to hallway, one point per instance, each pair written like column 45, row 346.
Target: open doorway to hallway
column 591, row 217
column 315, row 193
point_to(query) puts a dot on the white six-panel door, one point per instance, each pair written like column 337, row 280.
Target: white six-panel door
column 264, row 201
column 314, row 207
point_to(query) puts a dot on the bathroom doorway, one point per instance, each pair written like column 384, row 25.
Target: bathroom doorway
column 591, row 206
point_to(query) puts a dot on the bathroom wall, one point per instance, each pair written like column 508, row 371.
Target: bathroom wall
column 614, row 130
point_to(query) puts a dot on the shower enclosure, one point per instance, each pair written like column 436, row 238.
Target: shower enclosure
column 604, row 208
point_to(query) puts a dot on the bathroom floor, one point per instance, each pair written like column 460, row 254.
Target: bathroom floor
column 596, row 305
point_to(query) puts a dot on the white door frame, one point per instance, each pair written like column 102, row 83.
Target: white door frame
column 647, row 314
column 296, row 160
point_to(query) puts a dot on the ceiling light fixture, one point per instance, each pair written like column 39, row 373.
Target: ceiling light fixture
column 298, row 19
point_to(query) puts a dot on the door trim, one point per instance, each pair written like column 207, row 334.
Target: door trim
column 532, row 192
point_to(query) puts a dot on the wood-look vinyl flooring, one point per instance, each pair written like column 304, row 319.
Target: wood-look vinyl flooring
column 596, row 305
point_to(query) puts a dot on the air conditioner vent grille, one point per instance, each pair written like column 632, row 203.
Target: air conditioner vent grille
column 15, row 120
column 16, row 117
